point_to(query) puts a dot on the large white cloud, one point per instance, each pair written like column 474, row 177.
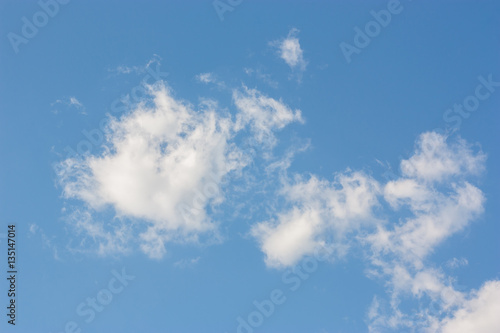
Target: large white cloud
column 164, row 162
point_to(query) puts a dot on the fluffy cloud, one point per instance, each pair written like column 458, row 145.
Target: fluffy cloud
column 438, row 210
column 435, row 191
column 323, row 213
column 290, row 51
column 435, row 160
column 437, row 216
column 478, row 314
column 164, row 162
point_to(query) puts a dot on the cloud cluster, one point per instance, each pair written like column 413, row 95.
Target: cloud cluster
column 439, row 201
column 164, row 163
column 433, row 199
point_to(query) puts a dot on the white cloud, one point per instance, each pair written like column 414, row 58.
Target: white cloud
column 124, row 69
column 156, row 160
column 210, row 78
column 259, row 74
column 455, row 263
column 433, row 206
column 110, row 238
column 441, row 202
column 437, row 213
column 163, row 165
column 434, row 160
column 439, row 217
column 205, row 77
column 323, row 213
column 187, row 263
column 478, row 314
column 322, row 210
column 263, row 114
column 47, row 242
column 69, row 102
column 290, row 51
column 75, row 102
column 292, row 237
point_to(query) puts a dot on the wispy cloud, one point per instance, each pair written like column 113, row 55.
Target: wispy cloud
column 47, row 242
column 187, row 263
column 260, row 75
column 263, row 114
column 135, row 69
column 69, row 102
column 127, row 69
column 210, row 78
column 455, row 263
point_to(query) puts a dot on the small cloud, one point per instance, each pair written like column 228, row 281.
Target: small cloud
column 33, row 228
column 127, row 69
column 261, row 76
column 74, row 102
column 124, row 69
column 263, row 114
column 205, row 77
column 46, row 241
column 187, row 263
column 291, row 52
column 69, row 102
column 456, row 263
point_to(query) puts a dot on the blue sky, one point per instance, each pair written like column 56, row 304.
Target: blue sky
column 251, row 166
